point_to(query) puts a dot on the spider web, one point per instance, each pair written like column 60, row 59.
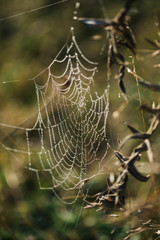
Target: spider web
column 70, row 130
column 68, row 142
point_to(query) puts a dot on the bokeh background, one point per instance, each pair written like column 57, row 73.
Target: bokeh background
column 28, row 43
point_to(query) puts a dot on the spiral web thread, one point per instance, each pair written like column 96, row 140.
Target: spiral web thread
column 68, row 141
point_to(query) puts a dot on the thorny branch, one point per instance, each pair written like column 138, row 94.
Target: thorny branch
column 114, row 195
column 120, row 35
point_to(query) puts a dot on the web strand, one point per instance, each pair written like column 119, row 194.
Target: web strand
column 32, row 10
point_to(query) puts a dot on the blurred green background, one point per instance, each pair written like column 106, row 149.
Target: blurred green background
column 28, row 43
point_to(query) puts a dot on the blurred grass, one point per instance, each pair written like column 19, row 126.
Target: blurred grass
column 28, row 43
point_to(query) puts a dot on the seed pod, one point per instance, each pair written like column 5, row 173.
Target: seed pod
column 121, row 76
column 135, row 173
column 128, row 163
column 153, row 87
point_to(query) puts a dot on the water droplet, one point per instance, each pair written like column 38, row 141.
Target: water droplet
column 77, row 5
column 153, row 105
column 116, row 114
